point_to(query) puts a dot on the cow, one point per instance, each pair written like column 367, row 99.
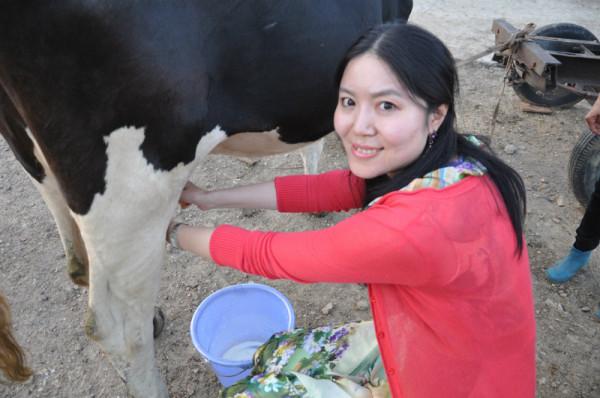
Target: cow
column 110, row 104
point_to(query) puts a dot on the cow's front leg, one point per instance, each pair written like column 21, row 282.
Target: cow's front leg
column 124, row 234
column 123, row 320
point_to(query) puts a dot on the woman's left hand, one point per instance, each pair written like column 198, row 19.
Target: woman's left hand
column 192, row 194
column 172, row 234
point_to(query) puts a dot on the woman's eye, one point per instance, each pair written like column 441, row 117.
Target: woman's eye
column 346, row 102
column 386, row 106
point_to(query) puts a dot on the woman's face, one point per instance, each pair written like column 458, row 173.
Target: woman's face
column 381, row 127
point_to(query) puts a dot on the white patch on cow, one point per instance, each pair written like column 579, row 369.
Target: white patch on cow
column 124, row 233
column 138, row 199
column 54, row 199
column 209, row 142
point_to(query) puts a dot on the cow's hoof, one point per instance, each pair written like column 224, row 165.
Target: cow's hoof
column 158, row 321
column 78, row 272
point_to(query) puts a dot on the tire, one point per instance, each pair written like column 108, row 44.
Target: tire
column 584, row 166
column 556, row 97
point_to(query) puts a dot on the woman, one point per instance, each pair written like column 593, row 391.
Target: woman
column 439, row 243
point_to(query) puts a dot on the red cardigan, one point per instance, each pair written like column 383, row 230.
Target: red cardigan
column 452, row 304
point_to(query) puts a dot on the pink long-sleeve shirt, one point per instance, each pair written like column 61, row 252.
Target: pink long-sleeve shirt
column 451, row 301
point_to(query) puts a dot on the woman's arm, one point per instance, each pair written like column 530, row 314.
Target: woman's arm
column 337, row 190
column 366, row 248
column 254, row 196
column 192, row 239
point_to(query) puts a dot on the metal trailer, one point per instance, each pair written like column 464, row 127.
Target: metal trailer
column 556, row 65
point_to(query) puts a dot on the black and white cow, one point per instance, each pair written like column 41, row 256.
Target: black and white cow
column 110, row 104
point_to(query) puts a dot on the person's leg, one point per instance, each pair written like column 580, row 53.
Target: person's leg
column 567, row 267
column 588, row 233
column 339, row 362
column 587, row 239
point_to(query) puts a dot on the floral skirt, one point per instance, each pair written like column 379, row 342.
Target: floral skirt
column 337, row 362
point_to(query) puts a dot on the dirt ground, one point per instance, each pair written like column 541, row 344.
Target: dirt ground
column 48, row 308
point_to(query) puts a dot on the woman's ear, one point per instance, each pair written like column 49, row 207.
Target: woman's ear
column 437, row 116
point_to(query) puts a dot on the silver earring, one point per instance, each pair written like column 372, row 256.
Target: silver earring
column 431, row 138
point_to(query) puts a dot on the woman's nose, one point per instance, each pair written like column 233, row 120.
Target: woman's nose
column 364, row 123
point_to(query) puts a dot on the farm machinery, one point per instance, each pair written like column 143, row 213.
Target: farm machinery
column 556, row 65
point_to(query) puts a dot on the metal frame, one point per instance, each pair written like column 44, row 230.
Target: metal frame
column 548, row 62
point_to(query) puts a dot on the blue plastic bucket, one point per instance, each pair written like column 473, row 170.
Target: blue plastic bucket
column 231, row 323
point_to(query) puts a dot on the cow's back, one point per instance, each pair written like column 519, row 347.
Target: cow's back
column 78, row 70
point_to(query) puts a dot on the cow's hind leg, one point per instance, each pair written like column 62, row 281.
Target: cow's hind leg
column 70, row 236
column 124, row 233
column 311, row 154
column 27, row 151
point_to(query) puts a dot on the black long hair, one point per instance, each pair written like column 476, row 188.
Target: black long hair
column 426, row 68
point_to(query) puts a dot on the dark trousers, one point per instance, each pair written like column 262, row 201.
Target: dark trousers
column 588, row 233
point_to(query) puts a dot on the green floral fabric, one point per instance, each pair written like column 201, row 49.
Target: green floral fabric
column 335, row 362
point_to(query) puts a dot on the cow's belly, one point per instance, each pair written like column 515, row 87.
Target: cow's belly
column 255, row 145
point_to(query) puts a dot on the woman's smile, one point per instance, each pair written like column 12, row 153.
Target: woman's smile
column 365, row 151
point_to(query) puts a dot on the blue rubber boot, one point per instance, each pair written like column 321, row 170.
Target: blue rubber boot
column 566, row 268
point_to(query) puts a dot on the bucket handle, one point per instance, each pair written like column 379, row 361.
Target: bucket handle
column 240, row 372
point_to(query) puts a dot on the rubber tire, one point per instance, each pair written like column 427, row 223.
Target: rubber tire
column 556, row 97
column 584, row 166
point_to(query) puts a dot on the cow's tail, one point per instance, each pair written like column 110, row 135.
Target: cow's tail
column 12, row 358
